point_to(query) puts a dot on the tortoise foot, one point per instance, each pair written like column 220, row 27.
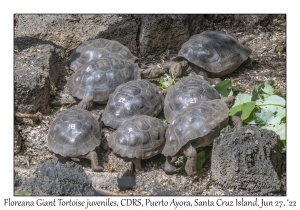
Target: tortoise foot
column 169, row 168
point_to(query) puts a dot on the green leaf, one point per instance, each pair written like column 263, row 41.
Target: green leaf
column 272, row 100
column 263, row 90
column 262, row 117
column 241, row 98
column 283, row 145
column 200, row 161
column 279, row 129
column 223, row 87
column 245, row 108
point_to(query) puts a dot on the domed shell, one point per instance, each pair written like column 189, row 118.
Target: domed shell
column 100, row 78
column 74, row 132
column 138, row 97
column 94, row 49
column 140, row 137
column 199, row 124
column 187, row 91
column 215, row 51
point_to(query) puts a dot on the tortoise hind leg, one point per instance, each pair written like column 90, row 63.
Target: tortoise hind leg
column 191, row 155
column 93, row 157
column 86, row 103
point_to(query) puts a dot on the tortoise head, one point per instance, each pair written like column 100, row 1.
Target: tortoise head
column 229, row 101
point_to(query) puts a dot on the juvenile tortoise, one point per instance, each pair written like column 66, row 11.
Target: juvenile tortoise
column 95, row 81
column 196, row 126
column 187, row 91
column 138, row 97
column 100, row 66
column 211, row 53
column 138, row 138
column 75, row 133
column 92, row 50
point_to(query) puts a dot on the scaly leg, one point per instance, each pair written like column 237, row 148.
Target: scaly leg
column 191, row 155
column 92, row 155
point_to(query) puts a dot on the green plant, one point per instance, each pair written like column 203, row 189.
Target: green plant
column 225, row 88
column 180, row 163
column 162, row 117
column 167, row 81
column 264, row 108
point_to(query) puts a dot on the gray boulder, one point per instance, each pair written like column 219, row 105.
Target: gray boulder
column 68, row 31
column 36, row 70
column 248, row 160
column 55, row 178
column 160, row 32
column 143, row 34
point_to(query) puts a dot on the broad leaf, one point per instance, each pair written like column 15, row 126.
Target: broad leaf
column 262, row 117
column 279, row 129
column 263, row 90
column 223, row 87
column 245, row 108
column 272, row 100
column 241, row 98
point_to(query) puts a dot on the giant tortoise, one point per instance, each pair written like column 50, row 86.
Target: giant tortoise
column 187, row 91
column 196, row 126
column 100, row 66
column 211, row 53
column 137, row 138
column 75, row 133
column 137, row 97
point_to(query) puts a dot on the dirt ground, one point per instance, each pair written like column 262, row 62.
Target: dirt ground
column 268, row 43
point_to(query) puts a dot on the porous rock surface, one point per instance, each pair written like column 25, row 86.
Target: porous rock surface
column 247, row 160
column 140, row 33
column 56, row 178
column 36, row 71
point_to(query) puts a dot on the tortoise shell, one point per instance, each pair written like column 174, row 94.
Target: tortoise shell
column 94, row 49
column 187, row 91
column 199, row 124
column 74, row 132
column 137, row 97
column 140, row 137
column 215, row 52
column 100, row 78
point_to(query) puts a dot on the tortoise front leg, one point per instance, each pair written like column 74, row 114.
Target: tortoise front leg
column 86, row 103
column 93, row 157
column 136, row 164
column 151, row 72
column 174, row 68
column 169, row 167
column 191, row 155
column 236, row 122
